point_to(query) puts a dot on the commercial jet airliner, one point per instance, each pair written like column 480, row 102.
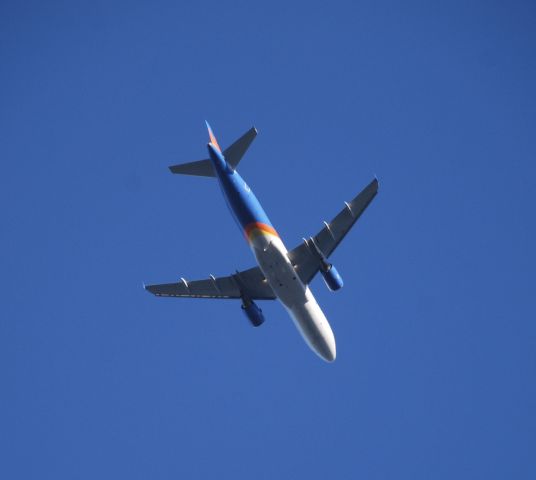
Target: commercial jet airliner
column 281, row 274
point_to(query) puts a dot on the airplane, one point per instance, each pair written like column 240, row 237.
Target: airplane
column 280, row 274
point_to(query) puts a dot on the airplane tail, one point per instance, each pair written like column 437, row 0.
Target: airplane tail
column 212, row 137
column 232, row 154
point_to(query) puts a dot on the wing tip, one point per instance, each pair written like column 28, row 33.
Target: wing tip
column 148, row 289
column 375, row 183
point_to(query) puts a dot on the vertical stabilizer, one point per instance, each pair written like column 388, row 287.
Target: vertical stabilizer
column 213, row 138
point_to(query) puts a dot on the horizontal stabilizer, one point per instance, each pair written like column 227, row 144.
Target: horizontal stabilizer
column 201, row 168
column 236, row 151
column 232, row 154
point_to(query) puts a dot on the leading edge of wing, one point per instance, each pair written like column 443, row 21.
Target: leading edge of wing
column 249, row 283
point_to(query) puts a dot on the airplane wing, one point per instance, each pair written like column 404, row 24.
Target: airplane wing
column 306, row 262
column 249, row 283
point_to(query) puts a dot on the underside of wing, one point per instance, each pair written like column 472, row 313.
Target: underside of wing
column 307, row 257
column 249, row 283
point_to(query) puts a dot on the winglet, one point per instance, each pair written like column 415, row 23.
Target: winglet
column 212, row 137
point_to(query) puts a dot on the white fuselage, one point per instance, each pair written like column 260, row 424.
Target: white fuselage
column 271, row 254
column 273, row 260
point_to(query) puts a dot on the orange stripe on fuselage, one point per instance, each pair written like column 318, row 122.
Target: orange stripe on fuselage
column 257, row 228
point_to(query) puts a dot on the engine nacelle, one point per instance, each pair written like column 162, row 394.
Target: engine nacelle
column 331, row 277
column 253, row 312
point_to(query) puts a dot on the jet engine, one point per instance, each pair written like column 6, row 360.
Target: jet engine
column 331, row 277
column 253, row 312
column 329, row 272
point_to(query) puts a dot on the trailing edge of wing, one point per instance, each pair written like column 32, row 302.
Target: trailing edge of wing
column 307, row 262
column 250, row 283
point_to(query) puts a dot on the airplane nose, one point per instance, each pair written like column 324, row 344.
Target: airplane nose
column 315, row 329
column 328, row 349
column 330, row 354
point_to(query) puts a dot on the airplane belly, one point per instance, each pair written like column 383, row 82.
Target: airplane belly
column 271, row 256
column 297, row 298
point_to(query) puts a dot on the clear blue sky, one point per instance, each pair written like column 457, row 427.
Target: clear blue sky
column 435, row 327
